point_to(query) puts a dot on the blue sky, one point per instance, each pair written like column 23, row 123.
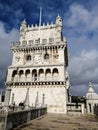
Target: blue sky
column 80, row 26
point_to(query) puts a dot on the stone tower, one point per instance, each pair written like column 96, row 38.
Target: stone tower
column 39, row 63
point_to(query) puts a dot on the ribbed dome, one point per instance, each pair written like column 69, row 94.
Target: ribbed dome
column 91, row 93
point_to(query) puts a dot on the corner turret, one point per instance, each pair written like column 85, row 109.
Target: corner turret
column 58, row 21
column 91, row 99
column 23, row 25
column 23, row 29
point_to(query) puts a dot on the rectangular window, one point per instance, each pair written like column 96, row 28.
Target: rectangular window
column 24, row 43
column 51, row 40
column 37, row 41
column 31, row 42
column 44, row 41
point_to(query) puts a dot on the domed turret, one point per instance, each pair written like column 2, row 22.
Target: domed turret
column 58, row 20
column 23, row 25
column 91, row 99
column 91, row 93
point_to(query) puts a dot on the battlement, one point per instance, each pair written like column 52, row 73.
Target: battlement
column 43, row 26
column 45, row 33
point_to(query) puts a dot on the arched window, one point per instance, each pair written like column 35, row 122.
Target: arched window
column 41, row 75
column 55, row 70
column 21, row 76
column 27, row 72
column 46, row 56
column 55, row 74
column 48, row 71
column 14, row 73
column 34, row 74
column 28, row 57
column 41, row 71
column 28, row 76
column 21, row 73
column 48, row 75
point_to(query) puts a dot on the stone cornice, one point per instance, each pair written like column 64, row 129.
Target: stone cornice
column 34, row 66
column 11, row 83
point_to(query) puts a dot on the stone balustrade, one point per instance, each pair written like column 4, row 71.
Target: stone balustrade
column 10, row 120
column 27, row 44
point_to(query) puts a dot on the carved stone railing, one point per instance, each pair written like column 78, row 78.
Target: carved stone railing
column 10, row 120
column 18, row 45
column 3, row 119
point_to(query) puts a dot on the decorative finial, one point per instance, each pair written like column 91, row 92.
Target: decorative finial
column 24, row 21
column 90, row 85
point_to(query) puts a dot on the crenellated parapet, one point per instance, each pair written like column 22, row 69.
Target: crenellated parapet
column 45, row 33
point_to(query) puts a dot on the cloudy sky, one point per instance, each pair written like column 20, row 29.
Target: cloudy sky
column 80, row 26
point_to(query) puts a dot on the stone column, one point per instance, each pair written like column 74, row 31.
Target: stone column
column 7, row 98
column 82, row 108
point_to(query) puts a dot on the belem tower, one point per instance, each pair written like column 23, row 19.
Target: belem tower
column 39, row 67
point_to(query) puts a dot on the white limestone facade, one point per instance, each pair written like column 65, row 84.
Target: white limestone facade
column 91, row 99
column 40, row 61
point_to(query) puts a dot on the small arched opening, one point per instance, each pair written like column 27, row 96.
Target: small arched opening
column 48, row 74
column 14, row 75
column 34, row 74
column 28, row 58
column 46, row 56
column 41, row 75
column 27, row 74
column 55, row 74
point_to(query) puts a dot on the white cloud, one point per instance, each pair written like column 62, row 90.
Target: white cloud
column 82, row 36
column 3, row 35
column 5, row 52
column 84, row 67
column 81, row 16
column 5, row 42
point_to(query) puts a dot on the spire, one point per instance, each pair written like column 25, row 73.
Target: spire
column 91, row 90
column 90, row 85
column 58, row 16
column 26, row 103
column 23, row 25
column 58, row 20
column 24, row 21
column 37, row 100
